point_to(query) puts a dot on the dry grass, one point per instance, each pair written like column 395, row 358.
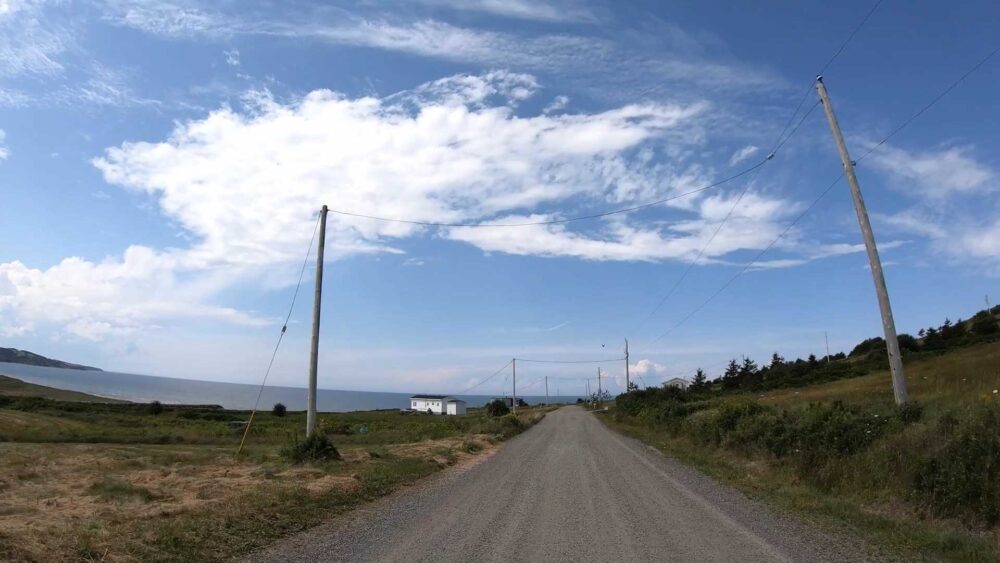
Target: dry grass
column 967, row 376
column 117, row 502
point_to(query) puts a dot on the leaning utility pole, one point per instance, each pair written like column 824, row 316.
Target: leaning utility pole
column 513, row 372
column 888, row 325
column 314, row 349
column 627, row 386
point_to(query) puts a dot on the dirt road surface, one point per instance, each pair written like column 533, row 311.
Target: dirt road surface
column 568, row 489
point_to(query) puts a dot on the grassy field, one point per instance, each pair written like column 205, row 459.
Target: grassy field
column 12, row 387
column 921, row 482
column 116, row 482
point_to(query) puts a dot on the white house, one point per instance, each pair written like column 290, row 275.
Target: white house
column 676, row 382
column 437, row 404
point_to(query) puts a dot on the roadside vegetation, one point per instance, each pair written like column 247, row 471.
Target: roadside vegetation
column 138, row 482
column 921, row 479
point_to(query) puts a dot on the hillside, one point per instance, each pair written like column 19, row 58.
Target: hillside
column 15, row 356
column 12, row 387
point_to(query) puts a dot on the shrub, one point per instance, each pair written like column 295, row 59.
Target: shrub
column 910, row 412
column 497, row 407
column 315, row 448
column 962, row 478
column 279, row 410
column 155, row 407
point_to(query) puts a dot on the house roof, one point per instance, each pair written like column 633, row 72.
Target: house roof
column 673, row 379
column 455, row 401
column 429, row 397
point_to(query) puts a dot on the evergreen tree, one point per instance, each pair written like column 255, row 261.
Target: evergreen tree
column 700, row 380
column 813, row 362
column 730, row 378
column 776, row 361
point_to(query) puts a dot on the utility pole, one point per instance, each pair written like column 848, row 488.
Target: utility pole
column 600, row 395
column 627, row 386
column 513, row 398
column 588, row 388
column 546, row 389
column 314, row 347
column 827, row 338
column 888, row 325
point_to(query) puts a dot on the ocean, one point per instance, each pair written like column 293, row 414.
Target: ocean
column 169, row 390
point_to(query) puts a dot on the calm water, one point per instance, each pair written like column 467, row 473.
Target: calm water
column 146, row 388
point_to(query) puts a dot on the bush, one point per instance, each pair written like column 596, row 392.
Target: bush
column 910, row 412
column 155, row 407
column 962, row 478
column 497, row 408
column 279, row 410
column 315, row 448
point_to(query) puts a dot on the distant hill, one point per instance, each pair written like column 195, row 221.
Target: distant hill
column 11, row 387
column 15, row 356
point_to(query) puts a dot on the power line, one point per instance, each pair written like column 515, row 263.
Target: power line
column 556, row 221
column 497, row 372
column 752, row 262
column 892, row 133
column 779, row 142
column 936, row 99
column 571, row 361
column 281, row 336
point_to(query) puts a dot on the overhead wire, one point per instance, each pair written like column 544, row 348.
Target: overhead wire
column 779, row 142
column 281, row 336
column 892, row 133
column 497, row 372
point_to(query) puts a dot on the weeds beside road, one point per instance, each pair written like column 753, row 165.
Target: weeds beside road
column 923, row 479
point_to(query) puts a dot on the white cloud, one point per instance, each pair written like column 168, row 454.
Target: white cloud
column 522, row 9
column 29, row 44
column 4, row 150
column 981, row 242
column 114, row 297
column 935, row 174
column 232, row 56
column 743, row 154
column 558, row 103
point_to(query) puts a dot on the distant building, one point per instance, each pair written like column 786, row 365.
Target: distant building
column 455, row 407
column 437, row 404
column 509, row 401
column 676, row 382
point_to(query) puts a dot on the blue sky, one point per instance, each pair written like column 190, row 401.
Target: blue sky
column 161, row 164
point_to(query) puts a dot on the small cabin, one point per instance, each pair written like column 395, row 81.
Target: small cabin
column 437, row 404
column 678, row 382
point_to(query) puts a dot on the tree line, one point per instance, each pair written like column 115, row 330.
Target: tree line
column 869, row 355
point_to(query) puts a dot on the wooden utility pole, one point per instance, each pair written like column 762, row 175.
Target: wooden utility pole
column 888, row 325
column 627, row 386
column 826, row 337
column 588, row 388
column 314, row 347
column 600, row 395
column 513, row 372
column 546, row 389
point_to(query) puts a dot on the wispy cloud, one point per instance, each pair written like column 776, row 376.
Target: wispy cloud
column 563, row 11
column 4, row 150
column 935, row 174
column 743, row 154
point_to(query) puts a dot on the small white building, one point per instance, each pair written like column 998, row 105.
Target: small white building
column 455, row 407
column 437, row 404
column 676, row 382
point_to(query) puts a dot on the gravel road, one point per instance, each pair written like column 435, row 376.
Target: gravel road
column 568, row 489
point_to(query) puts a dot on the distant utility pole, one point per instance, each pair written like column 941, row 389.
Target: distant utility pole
column 599, row 393
column 627, row 386
column 546, row 389
column 988, row 304
column 314, row 349
column 588, row 388
column 513, row 372
column 888, row 325
column 827, row 338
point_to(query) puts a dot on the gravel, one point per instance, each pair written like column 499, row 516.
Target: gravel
column 567, row 489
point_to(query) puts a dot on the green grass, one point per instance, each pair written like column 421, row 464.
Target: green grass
column 13, row 387
column 120, row 491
